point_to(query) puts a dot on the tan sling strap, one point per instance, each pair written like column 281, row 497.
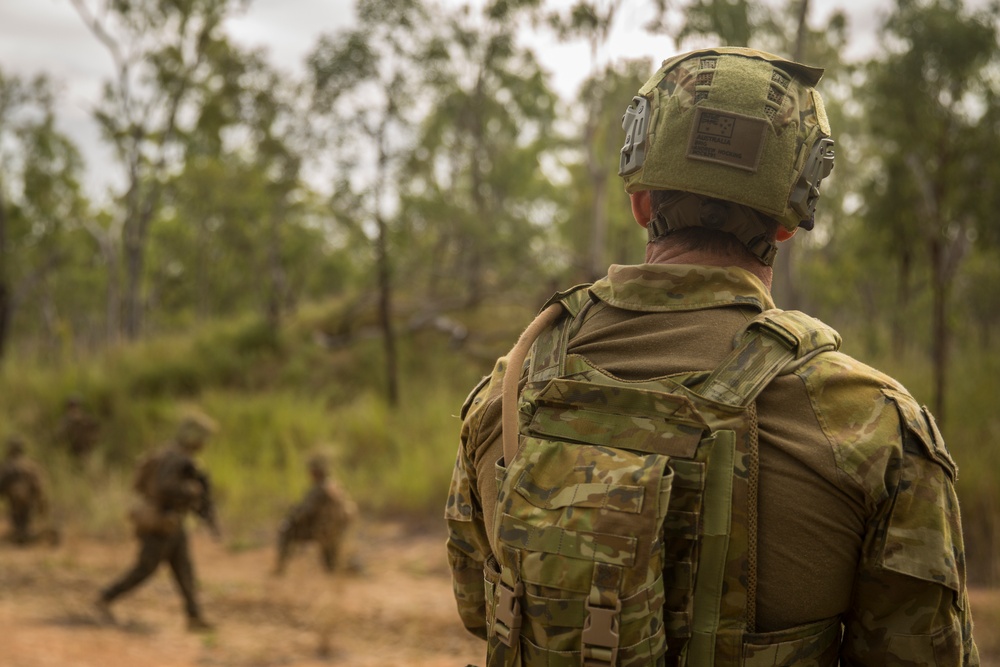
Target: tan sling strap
column 512, row 375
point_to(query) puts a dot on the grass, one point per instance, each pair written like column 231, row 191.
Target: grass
column 319, row 384
column 276, row 400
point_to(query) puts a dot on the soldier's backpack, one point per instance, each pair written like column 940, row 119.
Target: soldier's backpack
column 625, row 530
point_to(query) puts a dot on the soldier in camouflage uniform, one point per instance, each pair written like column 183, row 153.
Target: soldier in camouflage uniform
column 77, row 429
column 169, row 485
column 324, row 516
column 856, row 555
column 21, row 485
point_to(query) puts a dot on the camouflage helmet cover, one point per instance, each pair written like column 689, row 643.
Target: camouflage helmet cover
column 15, row 446
column 194, row 429
column 735, row 124
column 318, row 463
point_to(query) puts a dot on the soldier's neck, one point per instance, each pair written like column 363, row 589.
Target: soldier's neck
column 666, row 253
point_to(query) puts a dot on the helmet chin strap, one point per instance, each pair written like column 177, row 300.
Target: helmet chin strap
column 683, row 209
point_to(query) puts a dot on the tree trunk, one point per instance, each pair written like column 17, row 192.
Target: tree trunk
column 596, row 266
column 786, row 293
column 5, row 305
column 134, row 262
column 385, row 313
column 939, row 327
column 385, row 275
column 113, row 293
column 900, row 314
column 277, row 283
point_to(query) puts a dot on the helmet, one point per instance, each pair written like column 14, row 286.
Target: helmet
column 735, row 124
column 318, row 464
column 194, row 430
column 15, row 446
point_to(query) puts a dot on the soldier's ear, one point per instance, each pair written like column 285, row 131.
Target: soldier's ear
column 642, row 210
column 783, row 234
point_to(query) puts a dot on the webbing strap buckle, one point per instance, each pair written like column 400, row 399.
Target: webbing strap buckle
column 600, row 635
column 507, row 621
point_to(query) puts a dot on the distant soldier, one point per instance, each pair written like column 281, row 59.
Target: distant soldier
column 169, row 485
column 78, row 429
column 324, row 516
column 21, row 484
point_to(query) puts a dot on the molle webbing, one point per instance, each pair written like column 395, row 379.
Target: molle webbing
column 707, row 432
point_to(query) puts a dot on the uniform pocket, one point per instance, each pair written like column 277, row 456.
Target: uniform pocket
column 924, row 535
column 918, row 649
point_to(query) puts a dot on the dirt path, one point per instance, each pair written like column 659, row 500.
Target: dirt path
column 398, row 611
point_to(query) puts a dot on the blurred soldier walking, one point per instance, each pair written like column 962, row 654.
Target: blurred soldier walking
column 21, row 484
column 78, row 430
column 323, row 516
column 169, row 485
column 668, row 470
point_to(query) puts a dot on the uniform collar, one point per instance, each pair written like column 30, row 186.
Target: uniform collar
column 670, row 287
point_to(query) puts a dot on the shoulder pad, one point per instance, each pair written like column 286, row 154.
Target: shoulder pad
column 918, row 421
column 472, row 395
column 572, row 299
column 804, row 334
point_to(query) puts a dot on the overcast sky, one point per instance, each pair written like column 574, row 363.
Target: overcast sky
column 47, row 36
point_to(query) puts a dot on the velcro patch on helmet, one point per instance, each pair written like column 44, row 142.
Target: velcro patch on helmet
column 727, row 138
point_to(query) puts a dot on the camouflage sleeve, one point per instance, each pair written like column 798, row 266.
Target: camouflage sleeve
column 468, row 546
column 910, row 603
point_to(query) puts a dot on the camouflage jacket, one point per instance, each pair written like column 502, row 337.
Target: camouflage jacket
column 323, row 514
column 170, row 480
column 858, row 517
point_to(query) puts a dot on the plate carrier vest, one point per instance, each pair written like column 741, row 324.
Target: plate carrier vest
column 625, row 528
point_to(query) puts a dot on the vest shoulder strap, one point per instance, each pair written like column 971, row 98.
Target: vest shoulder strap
column 773, row 343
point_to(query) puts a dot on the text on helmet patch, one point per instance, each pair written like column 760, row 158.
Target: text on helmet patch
column 727, row 138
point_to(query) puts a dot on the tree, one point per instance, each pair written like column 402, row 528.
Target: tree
column 167, row 55
column 595, row 187
column 592, row 21
column 734, row 22
column 477, row 198
column 40, row 195
column 364, row 85
column 264, row 104
column 925, row 101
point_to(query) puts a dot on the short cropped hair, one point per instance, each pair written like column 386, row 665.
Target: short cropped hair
column 702, row 238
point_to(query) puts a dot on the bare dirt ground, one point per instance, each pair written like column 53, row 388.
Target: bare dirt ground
column 397, row 611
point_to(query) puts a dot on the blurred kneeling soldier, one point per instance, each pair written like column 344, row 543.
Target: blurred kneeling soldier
column 169, row 485
column 21, row 485
column 323, row 516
